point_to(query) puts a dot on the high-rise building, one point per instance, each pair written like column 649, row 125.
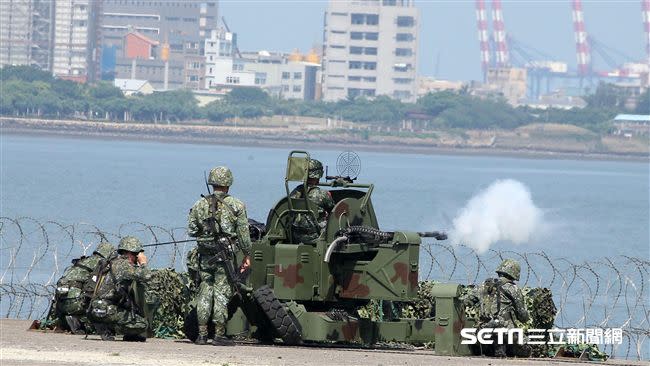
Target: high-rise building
column 370, row 49
column 26, row 32
column 76, row 39
column 179, row 26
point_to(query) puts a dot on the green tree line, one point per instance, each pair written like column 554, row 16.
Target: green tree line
column 29, row 91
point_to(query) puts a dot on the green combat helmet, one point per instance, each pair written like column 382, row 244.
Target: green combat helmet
column 509, row 268
column 221, row 176
column 130, row 244
column 104, row 249
column 315, row 169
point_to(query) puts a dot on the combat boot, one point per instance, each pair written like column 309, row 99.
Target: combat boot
column 222, row 341
column 134, row 338
column 74, row 324
column 202, row 339
column 500, row 351
column 105, row 332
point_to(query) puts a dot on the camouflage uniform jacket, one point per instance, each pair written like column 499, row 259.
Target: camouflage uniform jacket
column 305, row 230
column 322, row 199
column 231, row 221
column 512, row 306
column 120, row 275
column 78, row 274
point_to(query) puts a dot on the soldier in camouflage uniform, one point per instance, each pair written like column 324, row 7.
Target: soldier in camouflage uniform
column 113, row 308
column 74, row 288
column 502, row 305
column 305, row 229
column 220, row 225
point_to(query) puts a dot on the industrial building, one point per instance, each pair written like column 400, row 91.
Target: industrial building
column 370, row 49
column 26, row 32
column 178, row 29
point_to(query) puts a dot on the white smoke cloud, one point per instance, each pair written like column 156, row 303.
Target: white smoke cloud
column 503, row 211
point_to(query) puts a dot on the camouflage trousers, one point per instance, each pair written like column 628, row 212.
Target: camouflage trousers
column 511, row 350
column 119, row 319
column 213, row 297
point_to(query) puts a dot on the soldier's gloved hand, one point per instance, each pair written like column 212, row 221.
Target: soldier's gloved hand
column 245, row 264
column 142, row 259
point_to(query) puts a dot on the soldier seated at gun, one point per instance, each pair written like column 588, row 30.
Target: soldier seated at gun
column 74, row 289
column 305, row 229
column 113, row 308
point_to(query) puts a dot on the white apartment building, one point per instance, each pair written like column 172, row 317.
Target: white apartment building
column 221, row 70
column 280, row 76
column 370, row 49
column 75, row 54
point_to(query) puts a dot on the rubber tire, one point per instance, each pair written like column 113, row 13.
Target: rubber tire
column 285, row 324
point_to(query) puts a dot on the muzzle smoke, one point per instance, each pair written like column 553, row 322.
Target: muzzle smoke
column 503, row 211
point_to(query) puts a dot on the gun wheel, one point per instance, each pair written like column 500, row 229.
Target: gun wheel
column 284, row 323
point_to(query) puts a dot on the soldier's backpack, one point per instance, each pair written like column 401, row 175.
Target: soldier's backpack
column 102, row 271
column 490, row 300
column 69, row 288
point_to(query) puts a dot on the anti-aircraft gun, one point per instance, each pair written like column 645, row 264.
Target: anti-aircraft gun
column 309, row 292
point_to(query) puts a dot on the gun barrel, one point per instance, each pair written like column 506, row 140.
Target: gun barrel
column 433, row 234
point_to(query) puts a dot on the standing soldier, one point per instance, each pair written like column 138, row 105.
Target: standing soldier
column 502, row 303
column 219, row 224
column 305, row 230
column 113, row 308
column 74, row 288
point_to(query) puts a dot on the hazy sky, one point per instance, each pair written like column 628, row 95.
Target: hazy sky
column 448, row 29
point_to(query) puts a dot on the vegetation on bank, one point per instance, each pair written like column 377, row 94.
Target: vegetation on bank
column 28, row 91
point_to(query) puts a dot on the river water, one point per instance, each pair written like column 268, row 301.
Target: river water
column 591, row 208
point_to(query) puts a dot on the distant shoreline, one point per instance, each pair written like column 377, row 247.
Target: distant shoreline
column 269, row 137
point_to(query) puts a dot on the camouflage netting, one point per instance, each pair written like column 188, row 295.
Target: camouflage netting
column 539, row 303
column 173, row 291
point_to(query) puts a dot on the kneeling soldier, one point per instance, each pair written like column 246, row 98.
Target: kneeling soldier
column 74, row 288
column 113, row 308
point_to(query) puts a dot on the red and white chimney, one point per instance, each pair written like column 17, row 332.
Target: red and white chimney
column 483, row 38
column 499, row 32
column 583, row 53
column 645, row 12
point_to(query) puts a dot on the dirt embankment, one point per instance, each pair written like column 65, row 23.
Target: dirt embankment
column 18, row 346
column 546, row 140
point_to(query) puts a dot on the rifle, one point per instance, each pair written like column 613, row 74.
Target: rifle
column 226, row 256
column 168, row 242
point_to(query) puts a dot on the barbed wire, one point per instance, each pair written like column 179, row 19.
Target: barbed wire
column 609, row 292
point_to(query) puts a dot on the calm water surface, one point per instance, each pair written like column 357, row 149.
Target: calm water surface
column 591, row 208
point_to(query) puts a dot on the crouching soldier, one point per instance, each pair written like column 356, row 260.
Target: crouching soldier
column 502, row 306
column 74, row 288
column 114, row 308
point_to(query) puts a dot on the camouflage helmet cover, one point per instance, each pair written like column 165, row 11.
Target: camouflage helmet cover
column 315, row 169
column 509, row 268
column 104, row 249
column 130, row 244
column 220, row 176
